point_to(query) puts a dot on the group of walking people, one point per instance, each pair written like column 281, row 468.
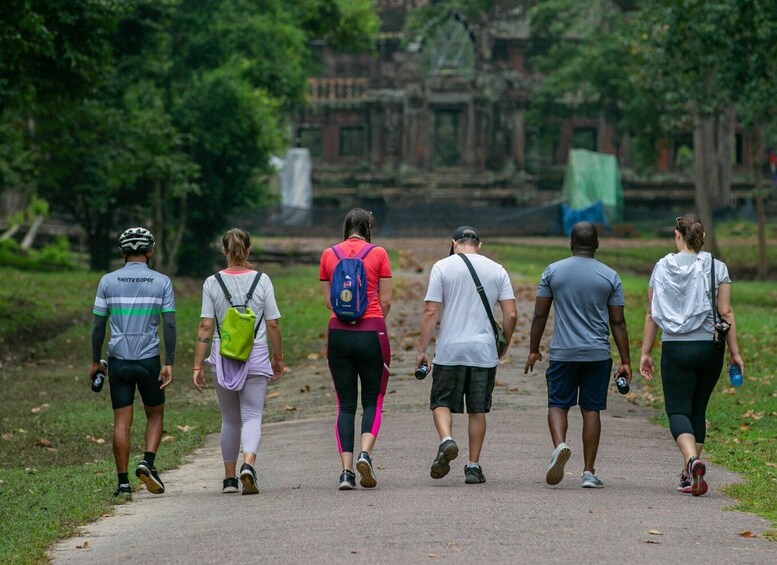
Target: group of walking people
column 689, row 299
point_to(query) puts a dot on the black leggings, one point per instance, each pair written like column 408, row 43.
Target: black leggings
column 689, row 373
column 354, row 356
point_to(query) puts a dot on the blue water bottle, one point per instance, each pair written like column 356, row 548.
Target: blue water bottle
column 734, row 375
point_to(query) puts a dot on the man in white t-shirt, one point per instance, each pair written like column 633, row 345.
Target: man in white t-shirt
column 465, row 356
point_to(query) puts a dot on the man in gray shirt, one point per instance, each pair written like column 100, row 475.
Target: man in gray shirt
column 588, row 298
column 135, row 297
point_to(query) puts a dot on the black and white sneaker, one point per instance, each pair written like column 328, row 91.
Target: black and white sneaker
column 150, row 477
column 248, row 478
column 347, row 481
column 124, row 489
column 230, row 485
column 367, row 473
column 447, row 452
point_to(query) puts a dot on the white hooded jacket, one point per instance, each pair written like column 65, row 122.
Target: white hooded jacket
column 681, row 293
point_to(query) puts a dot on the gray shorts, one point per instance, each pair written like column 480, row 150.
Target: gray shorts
column 452, row 383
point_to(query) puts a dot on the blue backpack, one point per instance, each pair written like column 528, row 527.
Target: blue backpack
column 349, row 285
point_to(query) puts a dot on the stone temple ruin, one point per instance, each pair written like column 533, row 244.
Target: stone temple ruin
column 429, row 129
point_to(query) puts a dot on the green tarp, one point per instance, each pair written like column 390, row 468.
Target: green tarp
column 593, row 177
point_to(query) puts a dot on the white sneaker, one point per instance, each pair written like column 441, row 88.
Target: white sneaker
column 590, row 480
column 558, row 459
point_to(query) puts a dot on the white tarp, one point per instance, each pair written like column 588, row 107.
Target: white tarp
column 295, row 186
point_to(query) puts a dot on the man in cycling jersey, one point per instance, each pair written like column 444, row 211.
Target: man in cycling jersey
column 135, row 298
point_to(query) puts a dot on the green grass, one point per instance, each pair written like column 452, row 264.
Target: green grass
column 742, row 422
column 46, row 394
column 54, row 431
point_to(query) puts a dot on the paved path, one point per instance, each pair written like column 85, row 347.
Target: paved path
column 300, row 517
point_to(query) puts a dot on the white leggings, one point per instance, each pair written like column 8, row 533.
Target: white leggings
column 241, row 417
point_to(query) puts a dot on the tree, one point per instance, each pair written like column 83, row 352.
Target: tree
column 174, row 111
column 52, row 53
column 709, row 61
column 230, row 92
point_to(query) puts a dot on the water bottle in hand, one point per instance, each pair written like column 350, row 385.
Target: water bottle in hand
column 734, row 375
column 99, row 377
column 422, row 371
column 622, row 383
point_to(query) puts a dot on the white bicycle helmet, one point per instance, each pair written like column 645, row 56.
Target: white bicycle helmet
column 136, row 240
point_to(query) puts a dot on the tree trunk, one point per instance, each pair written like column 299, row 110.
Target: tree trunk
column 157, row 207
column 101, row 249
column 757, row 155
column 10, row 232
column 706, row 179
column 724, row 137
column 177, row 238
column 32, row 233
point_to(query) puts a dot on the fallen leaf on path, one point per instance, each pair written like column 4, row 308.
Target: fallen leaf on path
column 433, row 555
column 84, row 545
column 270, row 395
column 772, row 465
column 731, row 391
column 744, row 427
column 185, row 429
column 747, row 534
column 313, row 356
column 655, row 541
column 290, row 408
column 39, row 409
column 655, row 533
column 51, row 449
column 167, row 438
column 304, row 389
column 97, row 440
column 43, row 442
column 7, row 436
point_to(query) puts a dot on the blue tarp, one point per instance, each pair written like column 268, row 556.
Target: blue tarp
column 593, row 213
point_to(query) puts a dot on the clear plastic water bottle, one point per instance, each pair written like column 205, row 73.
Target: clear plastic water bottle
column 735, row 375
column 99, row 377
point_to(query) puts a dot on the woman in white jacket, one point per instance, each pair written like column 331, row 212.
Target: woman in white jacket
column 680, row 303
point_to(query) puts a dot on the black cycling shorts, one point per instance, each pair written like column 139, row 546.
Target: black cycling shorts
column 124, row 376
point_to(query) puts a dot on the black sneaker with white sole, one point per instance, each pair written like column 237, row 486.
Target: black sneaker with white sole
column 231, row 485
column 150, row 477
column 347, row 481
column 248, row 478
column 124, row 489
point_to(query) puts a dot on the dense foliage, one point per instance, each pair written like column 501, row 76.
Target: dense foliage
column 162, row 113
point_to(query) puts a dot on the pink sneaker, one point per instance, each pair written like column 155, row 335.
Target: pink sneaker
column 697, row 469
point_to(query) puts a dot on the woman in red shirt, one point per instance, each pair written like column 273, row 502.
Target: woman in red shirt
column 359, row 349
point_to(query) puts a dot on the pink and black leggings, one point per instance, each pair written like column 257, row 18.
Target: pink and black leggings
column 359, row 352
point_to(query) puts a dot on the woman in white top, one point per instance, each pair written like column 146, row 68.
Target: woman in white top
column 680, row 303
column 240, row 386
